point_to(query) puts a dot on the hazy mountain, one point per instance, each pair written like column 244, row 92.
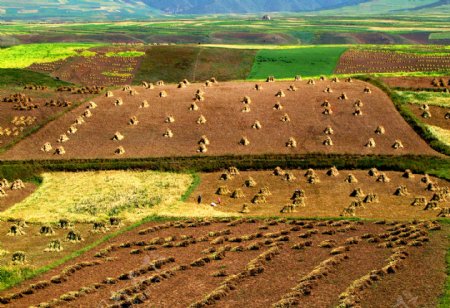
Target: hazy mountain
column 88, row 10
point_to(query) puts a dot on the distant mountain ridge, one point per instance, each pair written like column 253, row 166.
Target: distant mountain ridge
column 111, row 10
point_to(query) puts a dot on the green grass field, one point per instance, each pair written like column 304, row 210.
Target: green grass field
column 286, row 63
column 22, row 56
column 20, row 77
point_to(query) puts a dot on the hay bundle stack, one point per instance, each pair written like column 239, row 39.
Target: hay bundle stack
column 246, row 100
column 358, row 193
column 291, row 143
column 74, row 236
column 118, row 136
column 426, row 114
column 163, row 94
column 222, row 191
column 54, row 246
column 199, row 96
column 278, row 171
column 371, row 198
column 126, row 88
column 168, row 133
column 419, row 201
column 328, row 141
column 246, row 109
column 408, row 174
column 349, row 211
column 298, row 193
column 144, row 104
column 99, row 227
column 335, row 79
column 333, row 171
column 298, row 78
column 357, row 112
column 397, row 145
column 311, row 82
column 280, row 93
column 193, row 107
column 233, row 171
column 358, row 103
column 47, row 147
column 299, row 201
column 351, row 179
column 270, row 79
column 208, row 83
column 250, row 182
column 310, row 172
column 238, row 194
column 290, row 208
column 226, row 176
column 439, row 197
column 257, row 125
column 326, row 104
column 322, row 78
column 258, row 87
column 328, row 90
column 288, row 176
column 278, row 106
column 202, row 148
column 445, row 212
column 17, row 185
column 343, row 97
column 4, row 183
column 133, row 93
column 265, row 191
column 214, row 80
column 160, row 83
column 245, row 209
column 371, row 143
column 46, row 230
column 78, row 121
column 426, row 179
column 181, row 85
column 432, row 186
column 425, row 107
column 380, row 130
column 169, row 119
column 349, row 79
column 292, row 88
column 60, row 150
column 119, row 151
column 92, row 105
column 383, row 178
column 432, row 205
column 119, row 102
column 313, row 179
column 15, row 230
column 145, row 84
column 244, row 141
column 285, row 118
column 373, row 172
column 447, row 116
column 2, row 192
column 18, row 257
column 367, row 90
column 109, row 94
column 204, row 140
column 259, row 199
column 201, row 120
column 133, row 121
column 327, row 111
column 87, row 113
column 328, row 131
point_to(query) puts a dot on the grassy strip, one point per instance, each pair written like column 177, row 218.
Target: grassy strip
column 401, row 105
column 420, row 164
column 24, row 274
column 195, row 183
column 20, row 77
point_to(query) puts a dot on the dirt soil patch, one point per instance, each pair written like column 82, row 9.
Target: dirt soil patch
column 328, row 198
column 302, row 117
column 15, row 196
column 365, row 61
column 415, row 82
column 437, row 115
column 229, row 263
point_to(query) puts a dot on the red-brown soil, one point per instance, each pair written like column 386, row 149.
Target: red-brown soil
column 15, row 196
column 364, row 61
column 413, row 82
column 325, row 199
column 271, row 268
column 227, row 124
column 437, row 115
column 250, row 38
column 41, row 114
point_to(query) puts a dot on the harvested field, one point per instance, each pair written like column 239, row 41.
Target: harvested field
column 329, row 197
column 15, row 196
column 367, row 61
column 302, row 114
column 414, row 82
column 229, row 263
column 22, row 110
column 437, row 115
